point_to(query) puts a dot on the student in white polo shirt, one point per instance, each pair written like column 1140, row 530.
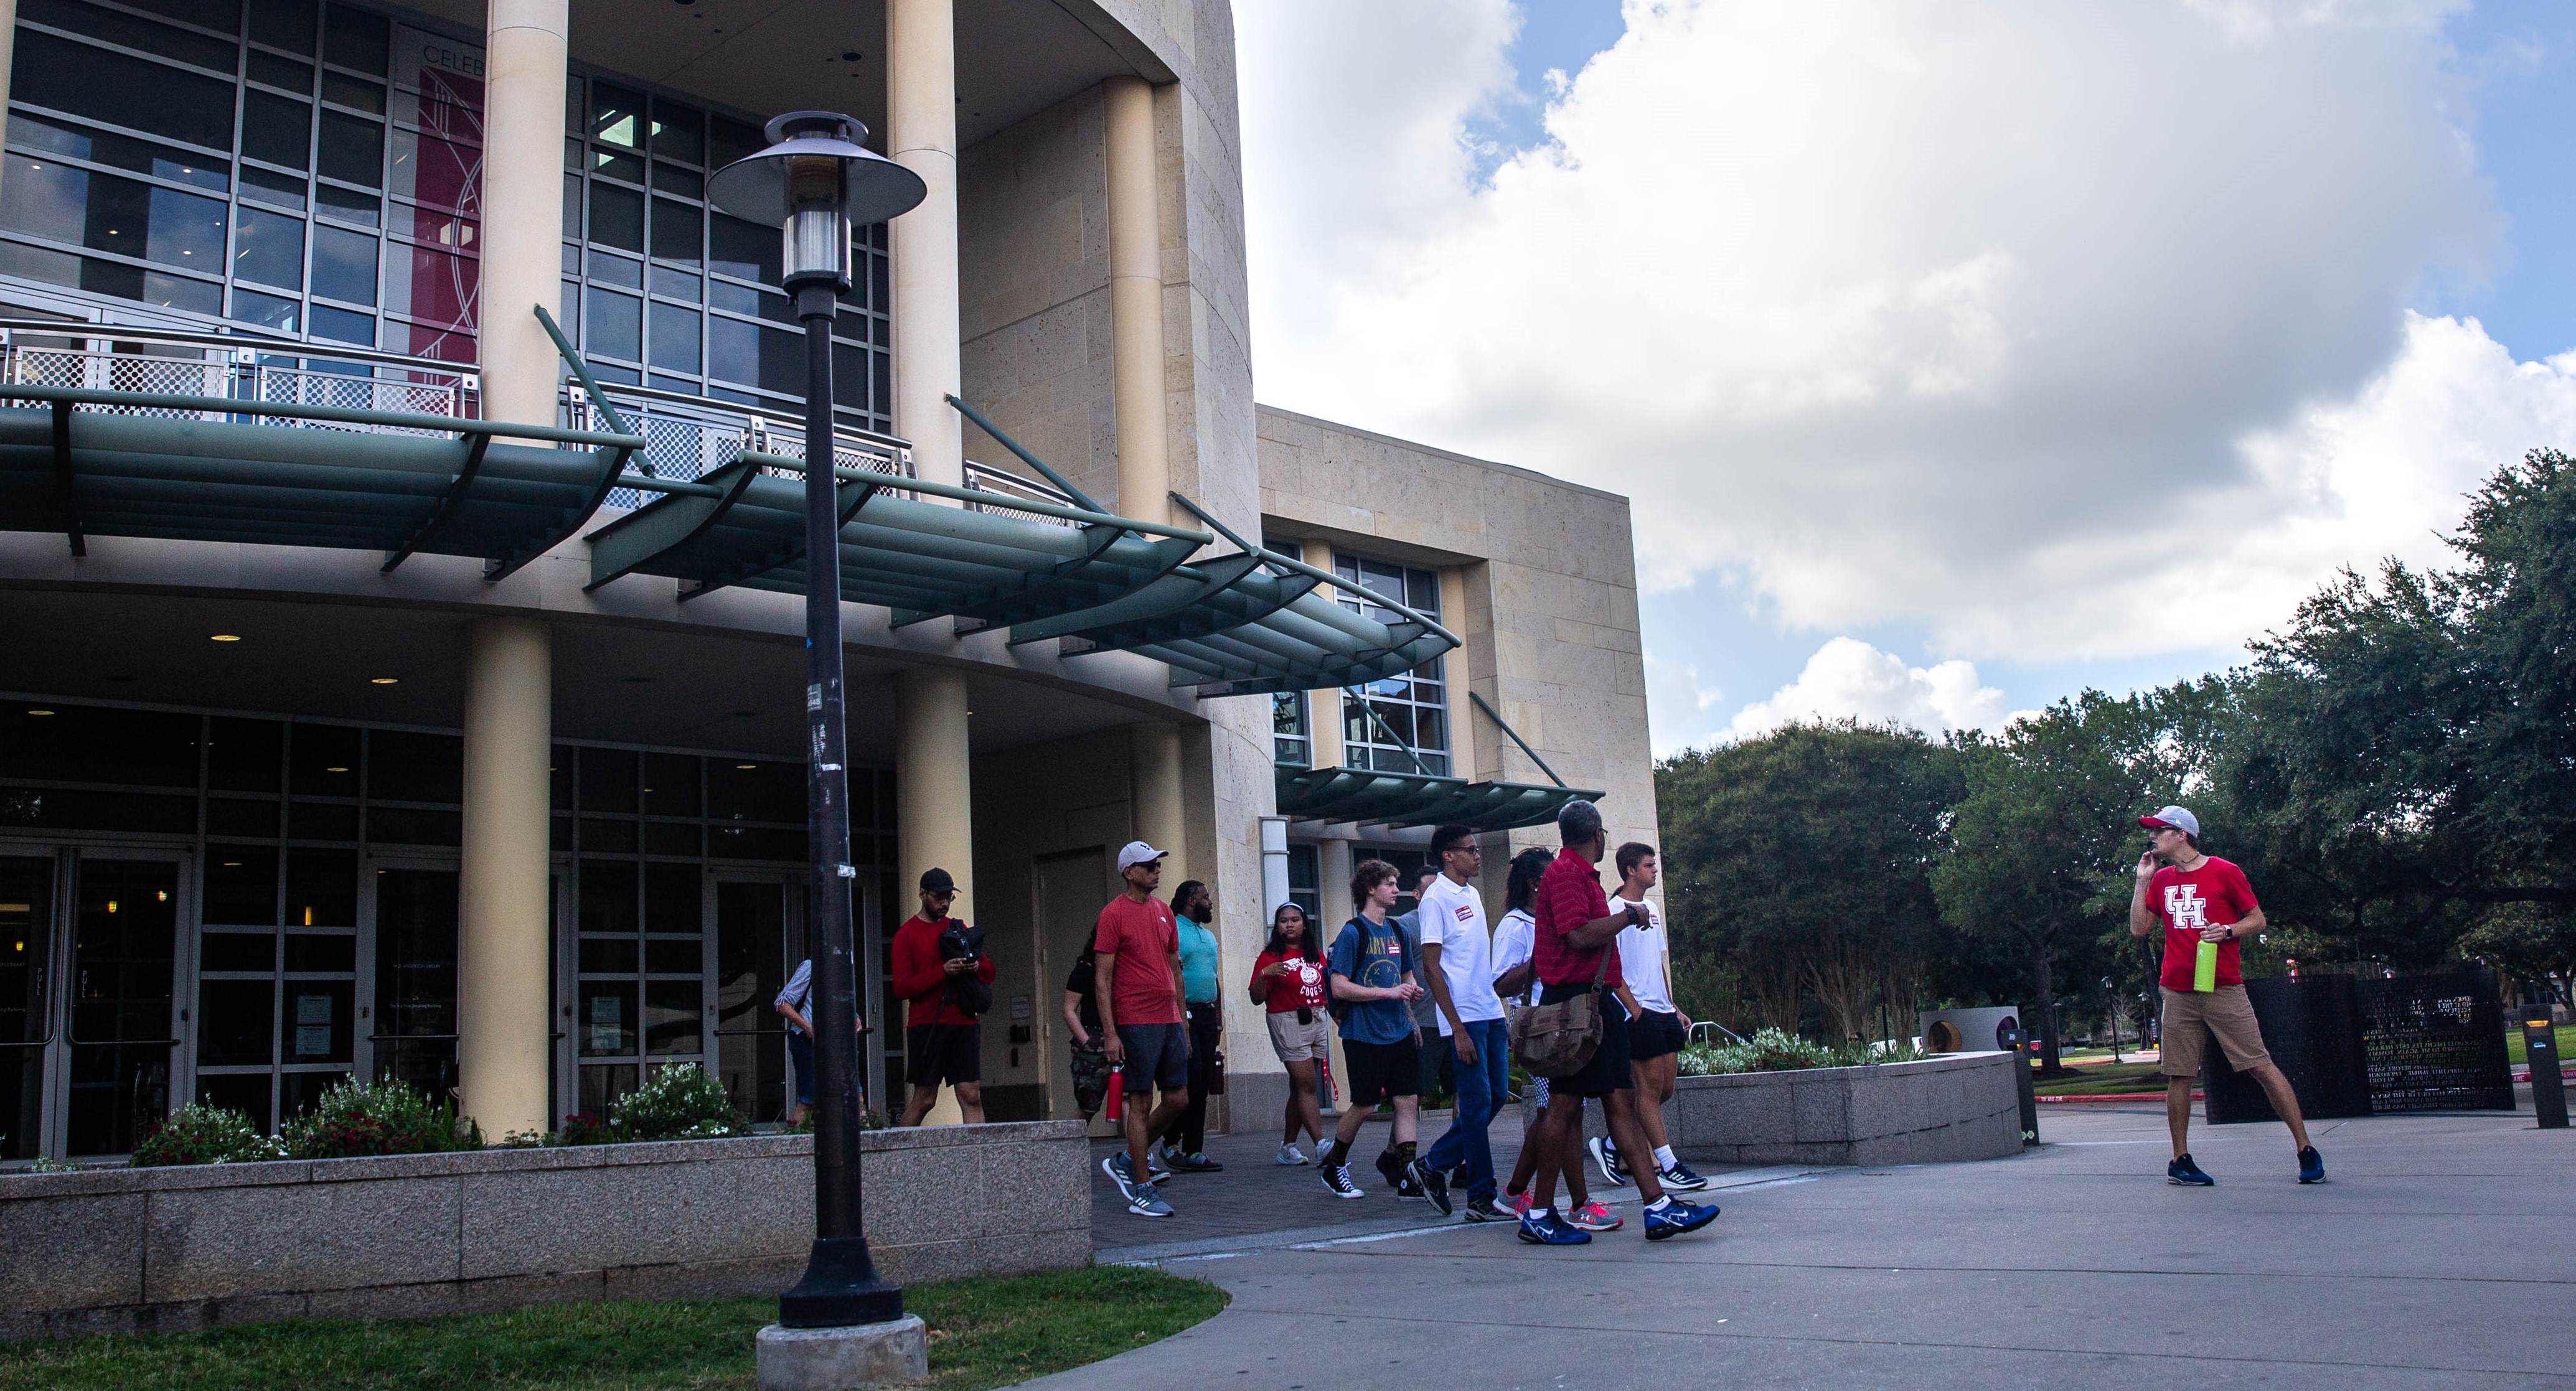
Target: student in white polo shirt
column 1457, row 952
column 1657, row 1035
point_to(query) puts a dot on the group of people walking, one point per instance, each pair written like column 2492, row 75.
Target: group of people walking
column 1413, row 998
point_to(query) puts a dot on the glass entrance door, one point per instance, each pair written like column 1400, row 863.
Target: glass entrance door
column 413, row 1028
column 26, row 1013
column 753, row 956
column 124, row 958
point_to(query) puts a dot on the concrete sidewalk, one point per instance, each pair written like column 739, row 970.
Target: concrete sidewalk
column 2437, row 1257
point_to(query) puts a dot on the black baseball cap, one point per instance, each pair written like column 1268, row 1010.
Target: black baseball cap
column 935, row 880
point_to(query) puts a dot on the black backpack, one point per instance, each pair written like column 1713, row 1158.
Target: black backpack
column 968, row 993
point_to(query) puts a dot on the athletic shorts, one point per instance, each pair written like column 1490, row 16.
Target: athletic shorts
column 1158, row 1055
column 1297, row 1043
column 1608, row 1071
column 1091, row 1074
column 936, row 1053
column 2190, row 1016
column 1383, row 1071
column 1655, row 1034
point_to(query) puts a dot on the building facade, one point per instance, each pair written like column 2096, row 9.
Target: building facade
column 398, row 680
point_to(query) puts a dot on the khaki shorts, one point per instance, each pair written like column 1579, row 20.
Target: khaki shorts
column 1298, row 1042
column 2225, row 1012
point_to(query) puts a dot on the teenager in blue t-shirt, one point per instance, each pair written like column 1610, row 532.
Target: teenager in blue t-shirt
column 1371, row 972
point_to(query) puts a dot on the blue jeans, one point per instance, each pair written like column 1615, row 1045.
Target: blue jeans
column 1480, row 1090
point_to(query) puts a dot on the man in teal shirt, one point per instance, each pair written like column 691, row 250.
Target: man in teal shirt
column 1193, row 912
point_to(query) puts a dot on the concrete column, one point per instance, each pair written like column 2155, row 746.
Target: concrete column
column 1136, row 303
column 934, row 809
column 523, row 135
column 504, row 1015
column 921, row 135
column 1159, row 811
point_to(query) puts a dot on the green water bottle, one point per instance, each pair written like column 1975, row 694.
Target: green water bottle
column 2204, row 969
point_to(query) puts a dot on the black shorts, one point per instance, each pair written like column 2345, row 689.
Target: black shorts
column 1608, row 1070
column 1383, row 1071
column 936, row 1053
column 1655, row 1034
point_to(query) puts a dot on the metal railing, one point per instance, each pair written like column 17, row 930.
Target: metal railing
column 1002, row 483
column 687, row 437
column 234, row 367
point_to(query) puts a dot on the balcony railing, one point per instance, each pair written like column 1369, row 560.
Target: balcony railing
column 690, row 436
column 1001, row 483
column 230, row 367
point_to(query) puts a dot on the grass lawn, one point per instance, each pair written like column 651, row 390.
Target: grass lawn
column 2101, row 1079
column 2513, row 1042
column 982, row 1333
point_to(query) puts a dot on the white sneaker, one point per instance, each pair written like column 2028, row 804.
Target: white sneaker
column 1290, row 1155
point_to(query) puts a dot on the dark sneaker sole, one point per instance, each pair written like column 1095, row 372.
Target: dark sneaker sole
column 1536, row 1240
column 2195, row 1182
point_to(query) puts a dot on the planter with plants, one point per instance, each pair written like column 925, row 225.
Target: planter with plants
column 1779, row 1099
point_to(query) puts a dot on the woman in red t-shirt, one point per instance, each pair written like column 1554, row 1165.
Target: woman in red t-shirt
column 1288, row 977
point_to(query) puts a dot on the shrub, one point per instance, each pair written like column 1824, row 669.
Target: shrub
column 1772, row 1050
column 368, row 1118
column 201, row 1134
column 683, row 1101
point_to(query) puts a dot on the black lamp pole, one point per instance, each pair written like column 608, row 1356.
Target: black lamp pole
column 808, row 180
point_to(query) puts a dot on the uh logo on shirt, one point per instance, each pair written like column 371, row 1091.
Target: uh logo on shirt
column 2185, row 908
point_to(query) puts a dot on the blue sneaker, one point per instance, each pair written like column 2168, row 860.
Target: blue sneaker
column 1542, row 1229
column 1605, row 1156
column 1122, row 1174
column 1680, row 1179
column 2182, row 1171
column 1676, row 1218
column 2312, row 1166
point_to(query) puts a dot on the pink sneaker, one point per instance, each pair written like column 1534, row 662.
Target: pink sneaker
column 1593, row 1217
column 1517, row 1204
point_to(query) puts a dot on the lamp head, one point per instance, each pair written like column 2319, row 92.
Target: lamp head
column 814, row 180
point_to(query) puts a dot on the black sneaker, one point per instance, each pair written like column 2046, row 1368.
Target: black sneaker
column 2187, row 1174
column 1337, row 1181
column 1391, row 1168
column 1485, row 1210
column 1196, row 1162
column 2312, row 1166
column 1434, row 1184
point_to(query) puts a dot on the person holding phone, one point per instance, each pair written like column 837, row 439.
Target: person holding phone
column 2198, row 899
column 1288, row 982
column 943, row 1041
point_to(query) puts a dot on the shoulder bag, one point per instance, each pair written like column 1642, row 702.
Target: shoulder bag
column 1559, row 1040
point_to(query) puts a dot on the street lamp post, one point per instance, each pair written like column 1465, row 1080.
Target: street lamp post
column 812, row 182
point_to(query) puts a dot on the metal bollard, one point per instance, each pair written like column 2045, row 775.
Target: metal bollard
column 2012, row 1038
column 2548, row 1088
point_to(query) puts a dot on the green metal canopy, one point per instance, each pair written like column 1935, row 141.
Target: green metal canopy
column 1419, row 799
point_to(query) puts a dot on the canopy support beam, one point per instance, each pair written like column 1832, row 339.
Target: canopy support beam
column 63, row 478
column 1496, row 717
column 446, row 507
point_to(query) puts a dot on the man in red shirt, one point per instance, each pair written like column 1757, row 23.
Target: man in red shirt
column 1138, row 948
column 2200, row 898
column 942, row 1039
column 1576, row 938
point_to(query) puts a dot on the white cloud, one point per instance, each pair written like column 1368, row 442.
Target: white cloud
column 1677, row 705
column 1981, row 320
column 1850, row 678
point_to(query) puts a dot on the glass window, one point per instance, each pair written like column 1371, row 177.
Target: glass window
column 344, row 264
column 241, row 885
column 1399, row 724
column 267, row 248
column 277, row 129
column 679, row 132
column 744, row 250
column 756, row 356
column 122, row 90
column 351, row 91
column 349, row 205
column 1289, row 742
column 675, row 339
column 616, row 115
column 280, row 72
column 119, row 151
column 1306, row 883
column 677, row 235
column 132, row 31
column 275, row 189
column 354, row 39
column 613, row 324
column 343, row 326
column 617, row 217
column 268, row 311
column 353, row 150
column 286, row 24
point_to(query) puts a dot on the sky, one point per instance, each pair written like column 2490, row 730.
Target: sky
column 1955, row 359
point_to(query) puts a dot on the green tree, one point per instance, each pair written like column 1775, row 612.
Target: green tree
column 2048, row 821
column 1802, row 859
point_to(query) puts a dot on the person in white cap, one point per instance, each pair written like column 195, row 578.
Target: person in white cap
column 1138, row 948
column 2203, row 899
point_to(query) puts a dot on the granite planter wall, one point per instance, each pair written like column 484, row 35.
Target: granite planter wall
column 141, row 1249
column 1961, row 1106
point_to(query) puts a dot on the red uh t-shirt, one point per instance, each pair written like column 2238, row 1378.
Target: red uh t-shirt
column 1569, row 895
column 2215, row 894
column 1144, row 936
column 1301, row 984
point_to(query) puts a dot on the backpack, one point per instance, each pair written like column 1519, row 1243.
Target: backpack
column 966, row 992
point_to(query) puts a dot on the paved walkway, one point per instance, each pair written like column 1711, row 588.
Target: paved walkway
column 2438, row 1257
